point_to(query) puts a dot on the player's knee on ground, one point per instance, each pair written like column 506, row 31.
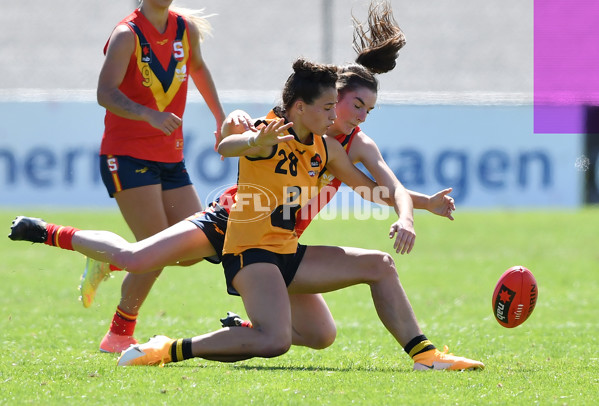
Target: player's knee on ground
column 274, row 344
column 321, row 338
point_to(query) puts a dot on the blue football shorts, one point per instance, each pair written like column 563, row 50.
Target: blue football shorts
column 121, row 172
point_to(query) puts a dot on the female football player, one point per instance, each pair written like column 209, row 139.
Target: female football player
column 150, row 56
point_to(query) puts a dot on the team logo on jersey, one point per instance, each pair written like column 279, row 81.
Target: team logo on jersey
column 316, row 161
column 178, row 50
column 179, row 144
column 311, row 173
column 181, row 73
column 326, row 178
column 146, row 53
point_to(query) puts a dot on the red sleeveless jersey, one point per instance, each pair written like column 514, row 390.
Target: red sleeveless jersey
column 156, row 77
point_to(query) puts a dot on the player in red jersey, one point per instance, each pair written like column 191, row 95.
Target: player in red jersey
column 377, row 47
column 150, row 56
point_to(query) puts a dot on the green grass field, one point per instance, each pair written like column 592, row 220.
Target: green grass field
column 49, row 341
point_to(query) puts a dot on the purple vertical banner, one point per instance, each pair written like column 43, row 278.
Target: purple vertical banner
column 566, row 64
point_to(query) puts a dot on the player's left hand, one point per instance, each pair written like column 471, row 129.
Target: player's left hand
column 405, row 237
column 442, row 204
column 243, row 119
column 238, row 119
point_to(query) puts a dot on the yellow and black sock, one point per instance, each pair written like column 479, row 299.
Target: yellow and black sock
column 181, row 350
column 417, row 345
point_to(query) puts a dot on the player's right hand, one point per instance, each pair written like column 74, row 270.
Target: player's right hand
column 165, row 121
column 273, row 133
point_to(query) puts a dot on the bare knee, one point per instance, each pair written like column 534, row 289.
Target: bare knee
column 388, row 264
column 132, row 262
column 275, row 350
column 274, row 344
column 322, row 338
column 381, row 267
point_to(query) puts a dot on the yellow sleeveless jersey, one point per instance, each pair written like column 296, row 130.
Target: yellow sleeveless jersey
column 270, row 191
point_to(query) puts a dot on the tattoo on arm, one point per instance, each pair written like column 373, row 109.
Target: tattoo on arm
column 125, row 103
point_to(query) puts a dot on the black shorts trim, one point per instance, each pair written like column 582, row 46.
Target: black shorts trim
column 287, row 264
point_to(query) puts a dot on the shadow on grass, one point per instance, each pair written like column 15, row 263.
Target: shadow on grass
column 294, row 368
column 323, row 369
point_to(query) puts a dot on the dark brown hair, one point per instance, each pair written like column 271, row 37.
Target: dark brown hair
column 307, row 82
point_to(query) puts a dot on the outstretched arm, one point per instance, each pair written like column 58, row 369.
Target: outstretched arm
column 402, row 229
column 365, row 150
column 440, row 203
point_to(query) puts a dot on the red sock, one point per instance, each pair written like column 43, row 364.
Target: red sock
column 60, row 236
column 123, row 323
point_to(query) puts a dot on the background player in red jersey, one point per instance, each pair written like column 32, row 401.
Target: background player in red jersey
column 143, row 85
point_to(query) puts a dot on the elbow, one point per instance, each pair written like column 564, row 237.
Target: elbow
column 222, row 149
column 226, row 152
column 107, row 96
column 102, row 97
